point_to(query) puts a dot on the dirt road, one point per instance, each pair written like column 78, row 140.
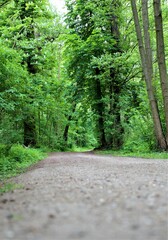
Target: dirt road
column 89, row 197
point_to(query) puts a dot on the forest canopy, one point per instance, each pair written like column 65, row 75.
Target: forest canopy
column 95, row 77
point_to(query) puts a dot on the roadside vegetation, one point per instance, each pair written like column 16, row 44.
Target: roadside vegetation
column 122, row 153
column 14, row 160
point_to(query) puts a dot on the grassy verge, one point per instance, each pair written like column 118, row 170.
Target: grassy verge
column 152, row 155
column 15, row 160
column 80, row 149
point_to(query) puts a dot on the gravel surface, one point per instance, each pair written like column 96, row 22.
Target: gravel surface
column 89, row 197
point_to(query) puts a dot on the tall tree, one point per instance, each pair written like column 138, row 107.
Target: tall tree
column 161, row 57
column 97, row 26
column 31, row 95
column 27, row 14
column 146, row 60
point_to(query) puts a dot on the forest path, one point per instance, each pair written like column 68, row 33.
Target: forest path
column 87, row 196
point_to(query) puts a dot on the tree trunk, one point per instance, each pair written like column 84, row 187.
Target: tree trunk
column 148, row 72
column 161, row 58
column 116, row 134
column 66, row 130
column 100, row 111
column 115, row 139
column 29, row 121
column 29, row 132
column 147, row 41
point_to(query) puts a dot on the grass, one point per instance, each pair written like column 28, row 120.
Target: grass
column 150, row 155
column 81, row 149
column 14, row 160
column 6, row 187
column 122, row 153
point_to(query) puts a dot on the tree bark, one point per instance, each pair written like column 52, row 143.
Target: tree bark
column 29, row 131
column 116, row 137
column 100, row 111
column 161, row 58
column 66, row 130
column 146, row 61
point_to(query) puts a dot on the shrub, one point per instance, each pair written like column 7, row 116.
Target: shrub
column 4, row 150
column 139, row 135
column 16, row 159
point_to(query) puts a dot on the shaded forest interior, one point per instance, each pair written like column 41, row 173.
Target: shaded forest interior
column 95, row 77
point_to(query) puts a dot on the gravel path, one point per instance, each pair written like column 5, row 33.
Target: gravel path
column 88, row 197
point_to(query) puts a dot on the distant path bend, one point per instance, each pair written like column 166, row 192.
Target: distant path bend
column 90, row 197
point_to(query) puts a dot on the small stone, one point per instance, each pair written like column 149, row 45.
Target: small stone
column 157, row 195
column 129, row 208
column 101, row 200
column 51, row 216
column 4, row 201
column 10, row 216
column 134, row 226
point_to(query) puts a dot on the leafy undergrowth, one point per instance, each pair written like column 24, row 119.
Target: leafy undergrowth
column 152, row 155
column 14, row 160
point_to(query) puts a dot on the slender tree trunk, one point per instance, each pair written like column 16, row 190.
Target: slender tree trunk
column 115, row 139
column 29, row 131
column 161, row 58
column 99, row 106
column 30, row 136
column 145, row 53
column 59, row 62
column 147, row 42
column 39, row 125
column 66, row 130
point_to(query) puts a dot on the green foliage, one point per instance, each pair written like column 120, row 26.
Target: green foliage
column 9, row 187
column 20, row 154
column 139, row 134
column 30, row 70
column 15, row 158
column 55, row 76
column 152, row 155
column 96, row 64
column 4, row 150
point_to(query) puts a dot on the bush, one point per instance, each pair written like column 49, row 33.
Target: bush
column 4, row 150
column 15, row 159
column 139, row 135
column 20, row 154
